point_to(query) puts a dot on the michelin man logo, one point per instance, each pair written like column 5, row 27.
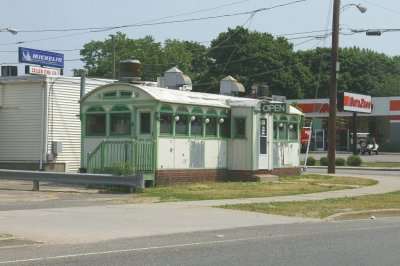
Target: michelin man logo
column 27, row 56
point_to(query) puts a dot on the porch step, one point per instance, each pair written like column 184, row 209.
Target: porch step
column 266, row 177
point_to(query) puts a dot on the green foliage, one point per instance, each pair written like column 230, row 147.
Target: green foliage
column 251, row 57
column 122, row 169
column 354, row 160
column 310, row 161
column 323, row 161
column 339, row 161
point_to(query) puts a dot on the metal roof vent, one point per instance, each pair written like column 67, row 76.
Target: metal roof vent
column 230, row 86
column 260, row 91
column 129, row 70
column 176, row 80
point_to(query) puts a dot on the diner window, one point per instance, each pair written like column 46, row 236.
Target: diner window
column 166, row 123
column 225, row 127
column 275, row 130
column 211, row 126
column 145, row 123
column 120, row 124
column 96, row 121
column 196, row 125
column 240, row 128
column 96, row 124
column 181, row 125
column 293, row 131
column 125, row 94
column 282, row 130
column 110, row 95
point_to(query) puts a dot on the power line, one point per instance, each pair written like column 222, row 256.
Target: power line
column 91, row 30
column 147, row 21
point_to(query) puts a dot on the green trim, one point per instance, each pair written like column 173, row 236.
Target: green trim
column 120, row 108
column 166, row 109
column 96, row 109
column 197, row 112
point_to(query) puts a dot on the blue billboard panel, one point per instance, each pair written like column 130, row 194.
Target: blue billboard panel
column 39, row 57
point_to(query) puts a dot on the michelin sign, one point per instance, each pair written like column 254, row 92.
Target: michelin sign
column 39, row 57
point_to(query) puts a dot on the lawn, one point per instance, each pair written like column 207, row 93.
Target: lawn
column 290, row 185
column 324, row 208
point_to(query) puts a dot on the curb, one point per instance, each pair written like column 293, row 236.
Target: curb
column 357, row 168
column 369, row 214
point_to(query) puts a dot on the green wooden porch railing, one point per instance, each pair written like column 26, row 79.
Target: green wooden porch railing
column 138, row 154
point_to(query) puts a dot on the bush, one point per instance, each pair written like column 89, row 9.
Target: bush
column 323, row 161
column 340, row 161
column 310, row 161
column 354, row 160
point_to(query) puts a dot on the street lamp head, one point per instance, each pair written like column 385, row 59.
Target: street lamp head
column 361, row 8
column 10, row 30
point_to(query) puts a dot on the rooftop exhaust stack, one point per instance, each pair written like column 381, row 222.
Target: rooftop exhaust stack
column 129, row 70
column 230, row 87
column 176, row 80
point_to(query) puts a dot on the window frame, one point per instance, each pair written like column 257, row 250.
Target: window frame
column 95, row 111
column 120, row 110
column 235, row 127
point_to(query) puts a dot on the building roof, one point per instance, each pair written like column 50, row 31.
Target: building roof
column 194, row 98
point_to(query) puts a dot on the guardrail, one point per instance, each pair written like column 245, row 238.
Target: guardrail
column 134, row 182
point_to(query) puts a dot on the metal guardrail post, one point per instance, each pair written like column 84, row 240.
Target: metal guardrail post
column 133, row 181
column 35, row 185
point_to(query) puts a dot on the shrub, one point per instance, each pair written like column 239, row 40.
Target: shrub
column 323, row 161
column 310, row 161
column 339, row 161
column 354, row 160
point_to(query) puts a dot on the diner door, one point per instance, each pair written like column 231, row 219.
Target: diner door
column 263, row 160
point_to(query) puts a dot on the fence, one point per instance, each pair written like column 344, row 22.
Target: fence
column 139, row 156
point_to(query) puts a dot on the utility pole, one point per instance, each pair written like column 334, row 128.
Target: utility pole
column 113, row 55
column 333, row 88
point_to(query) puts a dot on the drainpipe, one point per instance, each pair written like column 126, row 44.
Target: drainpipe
column 42, row 125
column 83, row 73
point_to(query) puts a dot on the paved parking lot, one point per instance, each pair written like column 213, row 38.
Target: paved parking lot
column 18, row 195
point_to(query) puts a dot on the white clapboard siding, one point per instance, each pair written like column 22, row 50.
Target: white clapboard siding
column 20, row 121
column 63, row 123
column 21, row 118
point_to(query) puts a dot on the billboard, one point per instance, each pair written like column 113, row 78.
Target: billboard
column 39, row 57
column 352, row 102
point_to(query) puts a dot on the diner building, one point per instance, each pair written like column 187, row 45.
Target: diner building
column 172, row 134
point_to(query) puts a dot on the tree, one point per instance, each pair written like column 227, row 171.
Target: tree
column 97, row 55
column 254, row 57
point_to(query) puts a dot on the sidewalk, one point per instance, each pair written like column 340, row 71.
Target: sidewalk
column 88, row 224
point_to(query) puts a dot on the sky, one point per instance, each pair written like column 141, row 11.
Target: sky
column 65, row 26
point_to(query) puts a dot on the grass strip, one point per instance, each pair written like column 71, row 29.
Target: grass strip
column 324, row 208
column 290, row 185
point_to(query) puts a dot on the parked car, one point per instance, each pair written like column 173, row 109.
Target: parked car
column 366, row 144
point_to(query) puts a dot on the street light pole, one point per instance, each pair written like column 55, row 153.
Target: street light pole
column 113, row 55
column 333, row 88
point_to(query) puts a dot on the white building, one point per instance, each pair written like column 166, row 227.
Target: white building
column 39, row 122
column 176, row 135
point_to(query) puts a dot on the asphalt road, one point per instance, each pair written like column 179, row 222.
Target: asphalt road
column 362, row 242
